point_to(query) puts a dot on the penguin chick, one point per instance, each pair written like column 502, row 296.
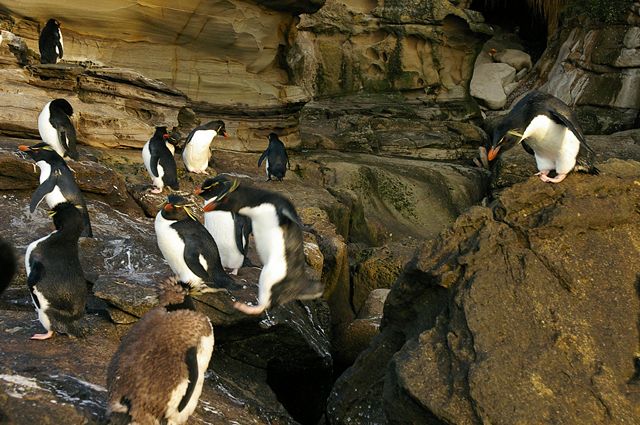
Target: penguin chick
column 8, row 264
column 57, row 183
column 50, row 42
column 230, row 230
column 196, row 153
column 188, row 247
column 277, row 232
column 54, row 274
column 276, row 157
column 157, row 155
column 157, row 373
column 549, row 130
column 56, row 128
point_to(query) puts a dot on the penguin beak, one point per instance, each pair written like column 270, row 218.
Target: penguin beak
column 168, row 208
column 224, row 133
column 493, row 153
column 210, row 207
column 197, row 191
column 24, row 148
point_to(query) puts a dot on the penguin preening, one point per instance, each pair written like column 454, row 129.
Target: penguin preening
column 50, row 42
column 196, row 153
column 8, row 264
column 56, row 128
column 54, row 274
column 57, row 183
column 157, row 155
column 189, row 248
column 157, row 373
column 276, row 157
column 230, row 230
column 277, row 232
column 549, row 130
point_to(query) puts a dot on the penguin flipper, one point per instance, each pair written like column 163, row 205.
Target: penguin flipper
column 60, row 49
column 584, row 162
column 567, row 122
column 527, row 148
column 191, row 359
column 192, row 258
column 41, row 191
column 239, row 231
column 170, row 172
column 35, row 275
column 291, row 215
column 263, row 156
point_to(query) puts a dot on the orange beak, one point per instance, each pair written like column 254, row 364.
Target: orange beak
column 24, row 148
column 210, row 207
column 197, row 191
column 224, row 133
column 168, row 207
column 493, row 153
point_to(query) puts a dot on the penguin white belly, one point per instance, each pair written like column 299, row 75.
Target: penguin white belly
column 172, row 247
column 266, row 167
column 48, row 133
column 204, row 351
column 222, row 227
column 55, row 197
column 171, row 148
column 42, row 310
column 196, row 154
column 555, row 146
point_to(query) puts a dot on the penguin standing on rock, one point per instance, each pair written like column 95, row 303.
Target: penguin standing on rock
column 196, row 153
column 54, row 274
column 157, row 155
column 549, row 130
column 57, row 183
column 230, row 230
column 56, row 128
column 157, row 373
column 277, row 158
column 50, row 42
column 189, row 249
column 277, row 231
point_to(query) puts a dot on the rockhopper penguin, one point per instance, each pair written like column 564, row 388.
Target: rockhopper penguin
column 157, row 155
column 189, row 249
column 230, row 230
column 57, row 183
column 548, row 129
column 56, row 128
column 277, row 159
column 54, row 274
column 196, row 153
column 277, row 232
column 156, row 375
column 50, row 42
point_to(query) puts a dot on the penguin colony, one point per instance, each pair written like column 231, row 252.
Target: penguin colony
column 173, row 341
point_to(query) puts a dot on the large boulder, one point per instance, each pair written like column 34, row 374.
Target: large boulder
column 524, row 312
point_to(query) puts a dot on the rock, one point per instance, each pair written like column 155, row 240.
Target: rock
column 503, row 320
column 488, row 83
column 294, row 7
column 632, row 38
column 516, row 58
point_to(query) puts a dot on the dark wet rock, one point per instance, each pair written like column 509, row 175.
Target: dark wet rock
column 517, row 314
column 293, row 6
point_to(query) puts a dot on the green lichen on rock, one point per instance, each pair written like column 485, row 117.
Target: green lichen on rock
column 600, row 11
column 391, row 191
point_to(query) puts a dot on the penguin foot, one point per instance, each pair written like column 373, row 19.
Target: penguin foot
column 249, row 309
column 156, row 190
column 542, row 173
column 557, row 179
column 41, row 337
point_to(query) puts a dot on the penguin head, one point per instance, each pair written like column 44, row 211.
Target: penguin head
column 41, row 152
column 53, row 23
column 67, row 216
column 218, row 192
column 174, row 294
column 503, row 139
column 178, row 208
column 218, row 126
column 273, row 137
column 62, row 105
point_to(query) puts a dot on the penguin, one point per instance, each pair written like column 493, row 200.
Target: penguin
column 549, row 130
column 56, row 128
column 196, row 153
column 230, row 230
column 157, row 373
column 8, row 264
column 57, row 183
column 277, row 158
column 189, row 248
column 54, row 274
column 157, row 155
column 50, row 42
column 277, row 232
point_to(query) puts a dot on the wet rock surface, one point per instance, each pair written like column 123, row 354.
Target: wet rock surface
column 519, row 313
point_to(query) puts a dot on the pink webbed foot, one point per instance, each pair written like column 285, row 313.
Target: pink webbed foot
column 557, row 179
column 156, row 190
column 41, row 337
column 249, row 309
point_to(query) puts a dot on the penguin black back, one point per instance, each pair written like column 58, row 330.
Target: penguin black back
column 217, row 125
column 60, row 111
column 162, row 156
column 50, row 42
column 56, row 179
column 277, row 158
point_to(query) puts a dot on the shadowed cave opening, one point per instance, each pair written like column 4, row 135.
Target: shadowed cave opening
column 519, row 18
